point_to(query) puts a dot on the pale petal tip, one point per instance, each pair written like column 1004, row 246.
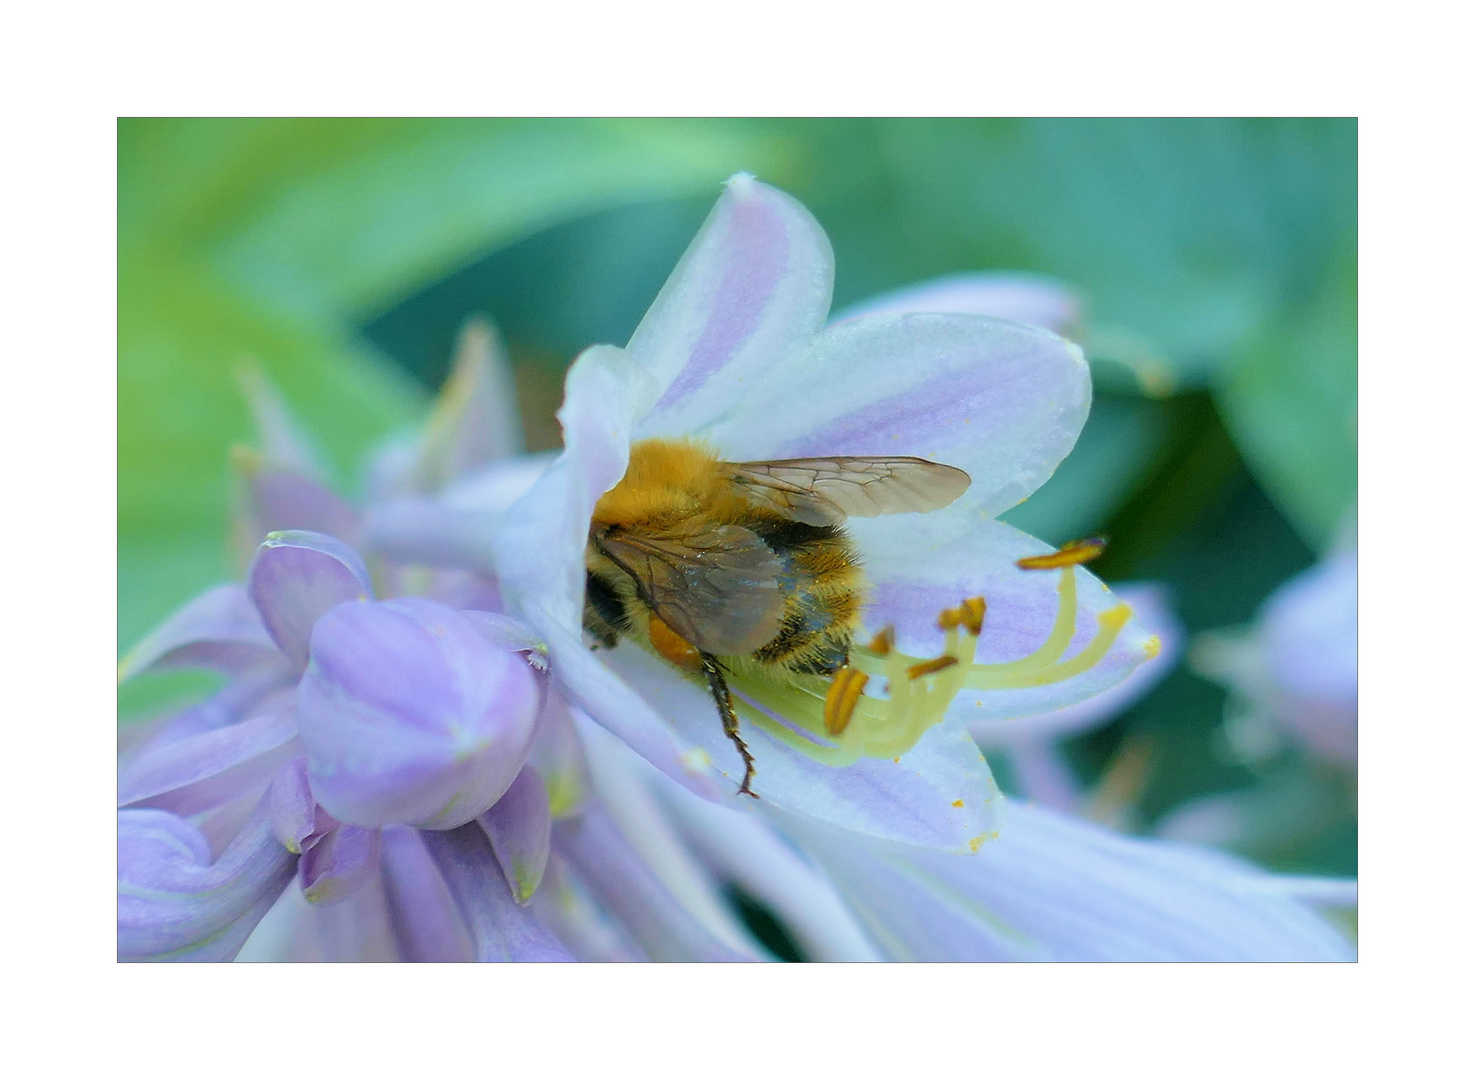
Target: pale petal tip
column 741, row 183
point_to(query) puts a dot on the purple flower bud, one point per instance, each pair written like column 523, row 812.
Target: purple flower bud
column 409, row 715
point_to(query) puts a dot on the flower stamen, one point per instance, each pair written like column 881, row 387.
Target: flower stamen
column 1071, row 553
column 930, row 667
column 969, row 613
column 833, row 721
column 840, row 699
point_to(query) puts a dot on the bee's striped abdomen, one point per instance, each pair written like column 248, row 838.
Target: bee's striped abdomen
column 823, row 605
column 605, row 615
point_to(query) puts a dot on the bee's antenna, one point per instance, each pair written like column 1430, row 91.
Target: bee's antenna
column 723, row 696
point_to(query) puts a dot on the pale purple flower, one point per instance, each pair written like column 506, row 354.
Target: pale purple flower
column 1292, row 674
column 735, row 352
column 1051, row 887
column 342, row 716
column 382, row 751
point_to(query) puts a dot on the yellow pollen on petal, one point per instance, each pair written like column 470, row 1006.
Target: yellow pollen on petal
column 958, row 803
column 1152, row 646
column 696, row 760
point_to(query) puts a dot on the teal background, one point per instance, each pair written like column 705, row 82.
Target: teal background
column 1218, row 259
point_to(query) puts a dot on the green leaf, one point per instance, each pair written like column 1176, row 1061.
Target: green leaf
column 181, row 341
column 1122, row 439
column 263, row 241
column 433, row 194
column 1291, row 406
column 1186, row 236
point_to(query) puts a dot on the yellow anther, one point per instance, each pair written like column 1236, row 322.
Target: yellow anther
column 972, row 611
column 930, row 667
column 969, row 613
column 841, row 698
column 1073, row 553
column 884, row 641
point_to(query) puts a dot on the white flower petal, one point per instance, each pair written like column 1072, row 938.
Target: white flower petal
column 1002, row 402
column 940, row 794
column 1055, row 888
column 606, row 699
column 538, row 544
column 750, row 292
column 746, row 850
column 1032, row 299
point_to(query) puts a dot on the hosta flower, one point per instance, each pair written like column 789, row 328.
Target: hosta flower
column 1291, row 714
column 1292, row 675
column 343, row 717
column 426, row 767
column 735, row 353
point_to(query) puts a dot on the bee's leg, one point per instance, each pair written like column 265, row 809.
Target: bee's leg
column 723, row 696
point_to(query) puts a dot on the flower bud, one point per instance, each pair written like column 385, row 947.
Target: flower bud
column 409, row 715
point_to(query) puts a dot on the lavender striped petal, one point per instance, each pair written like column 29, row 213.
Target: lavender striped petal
column 628, row 889
column 192, row 774
column 427, row 923
column 338, row 863
column 502, row 930
column 1057, row 888
column 174, row 903
column 276, row 498
column 520, row 827
column 296, row 578
column 218, row 629
column 1003, row 402
column 749, row 293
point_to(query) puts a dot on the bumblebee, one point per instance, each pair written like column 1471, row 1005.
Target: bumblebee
column 715, row 565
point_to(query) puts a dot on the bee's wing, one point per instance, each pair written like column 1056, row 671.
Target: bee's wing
column 825, row 491
column 715, row 585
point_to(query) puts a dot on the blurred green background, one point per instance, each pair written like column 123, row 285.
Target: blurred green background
column 1217, row 259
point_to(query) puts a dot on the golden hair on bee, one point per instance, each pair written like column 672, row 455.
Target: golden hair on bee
column 666, row 479
column 714, row 564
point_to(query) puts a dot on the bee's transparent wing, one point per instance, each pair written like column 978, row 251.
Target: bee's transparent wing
column 716, row 585
column 825, row 491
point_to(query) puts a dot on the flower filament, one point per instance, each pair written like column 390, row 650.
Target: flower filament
column 832, row 720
